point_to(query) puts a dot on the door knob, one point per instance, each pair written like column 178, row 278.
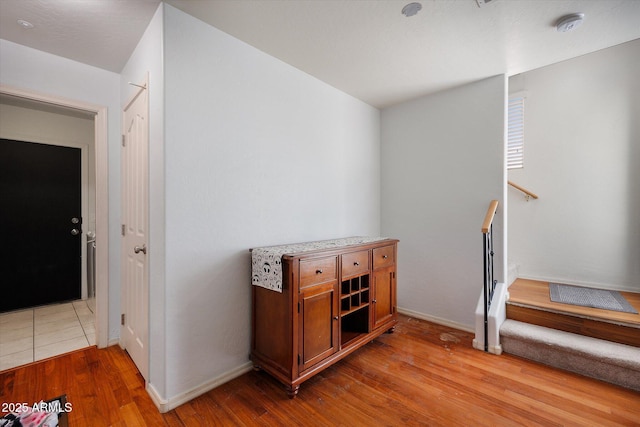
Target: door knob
column 139, row 249
column 75, row 232
column 75, row 220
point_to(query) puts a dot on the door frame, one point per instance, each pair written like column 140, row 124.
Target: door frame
column 102, row 199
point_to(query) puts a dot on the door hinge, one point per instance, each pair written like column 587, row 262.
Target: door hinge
column 298, row 307
column 123, row 230
column 122, row 319
column 123, row 144
column 299, row 358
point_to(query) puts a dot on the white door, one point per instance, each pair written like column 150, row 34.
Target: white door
column 134, row 331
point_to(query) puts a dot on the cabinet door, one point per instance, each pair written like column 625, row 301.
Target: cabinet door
column 318, row 327
column 384, row 296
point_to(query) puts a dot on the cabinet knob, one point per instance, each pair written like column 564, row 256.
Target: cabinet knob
column 374, row 301
column 335, row 318
column 356, row 263
column 318, row 271
column 384, row 257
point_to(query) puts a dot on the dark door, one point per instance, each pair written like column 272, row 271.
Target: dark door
column 40, row 224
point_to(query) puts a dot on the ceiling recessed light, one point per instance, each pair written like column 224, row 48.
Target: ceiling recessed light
column 25, row 24
column 411, row 9
column 569, row 22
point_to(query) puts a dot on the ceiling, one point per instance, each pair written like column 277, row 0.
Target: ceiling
column 366, row 48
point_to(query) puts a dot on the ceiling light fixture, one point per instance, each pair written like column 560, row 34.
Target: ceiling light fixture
column 25, row 24
column 569, row 22
column 411, row 9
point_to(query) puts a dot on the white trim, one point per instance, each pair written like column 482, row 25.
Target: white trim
column 161, row 403
column 497, row 350
column 435, row 319
column 166, row 405
column 102, row 199
column 496, row 317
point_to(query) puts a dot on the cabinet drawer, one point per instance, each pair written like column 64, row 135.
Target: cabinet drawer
column 384, row 256
column 355, row 263
column 315, row 271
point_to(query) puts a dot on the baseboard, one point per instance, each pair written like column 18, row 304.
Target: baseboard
column 493, row 349
column 435, row 319
column 166, row 405
column 160, row 402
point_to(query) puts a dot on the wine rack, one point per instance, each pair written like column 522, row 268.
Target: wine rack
column 354, row 294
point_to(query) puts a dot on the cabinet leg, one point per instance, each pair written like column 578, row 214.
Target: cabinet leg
column 292, row 391
column 391, row 330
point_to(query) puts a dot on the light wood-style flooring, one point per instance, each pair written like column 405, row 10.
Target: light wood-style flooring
column 529, row 302
column 422, row 374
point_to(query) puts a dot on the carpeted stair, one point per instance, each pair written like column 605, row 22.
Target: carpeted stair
column 604, row 360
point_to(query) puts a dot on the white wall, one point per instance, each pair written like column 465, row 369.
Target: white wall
column 256, row 153
column 442, row 164
column 43, row 73
column 148, row 58
column 582, row 157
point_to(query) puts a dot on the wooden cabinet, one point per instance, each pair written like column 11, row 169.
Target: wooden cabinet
column 318, row 326
column 332, row 301
column 384, row 285
column 384, row 296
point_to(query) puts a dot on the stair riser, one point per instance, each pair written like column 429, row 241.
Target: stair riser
column 577, row 325
column 567, row 360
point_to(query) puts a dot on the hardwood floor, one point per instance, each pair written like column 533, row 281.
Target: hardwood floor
column 423, row 374
column 529, row 302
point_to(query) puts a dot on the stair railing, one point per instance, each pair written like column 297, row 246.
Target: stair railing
column 527, row 193
column 489, row 281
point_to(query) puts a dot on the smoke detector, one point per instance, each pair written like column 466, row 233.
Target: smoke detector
column 411, row 9
column 483, row 2
column 569, row 22
column 25, row 24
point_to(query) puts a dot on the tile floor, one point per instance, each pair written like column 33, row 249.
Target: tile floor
column 30, row 335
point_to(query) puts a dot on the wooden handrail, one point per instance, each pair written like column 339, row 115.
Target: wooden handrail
column 526, row 192
column 488, row 219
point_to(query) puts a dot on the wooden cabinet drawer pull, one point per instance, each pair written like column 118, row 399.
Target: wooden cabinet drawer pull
column 356, row 263
column 318, row 271
column 384, row 257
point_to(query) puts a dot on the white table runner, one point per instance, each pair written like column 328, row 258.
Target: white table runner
column 266, row 262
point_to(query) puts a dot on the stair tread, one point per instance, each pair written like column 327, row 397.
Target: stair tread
column 529, row 301
column 535, row 294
